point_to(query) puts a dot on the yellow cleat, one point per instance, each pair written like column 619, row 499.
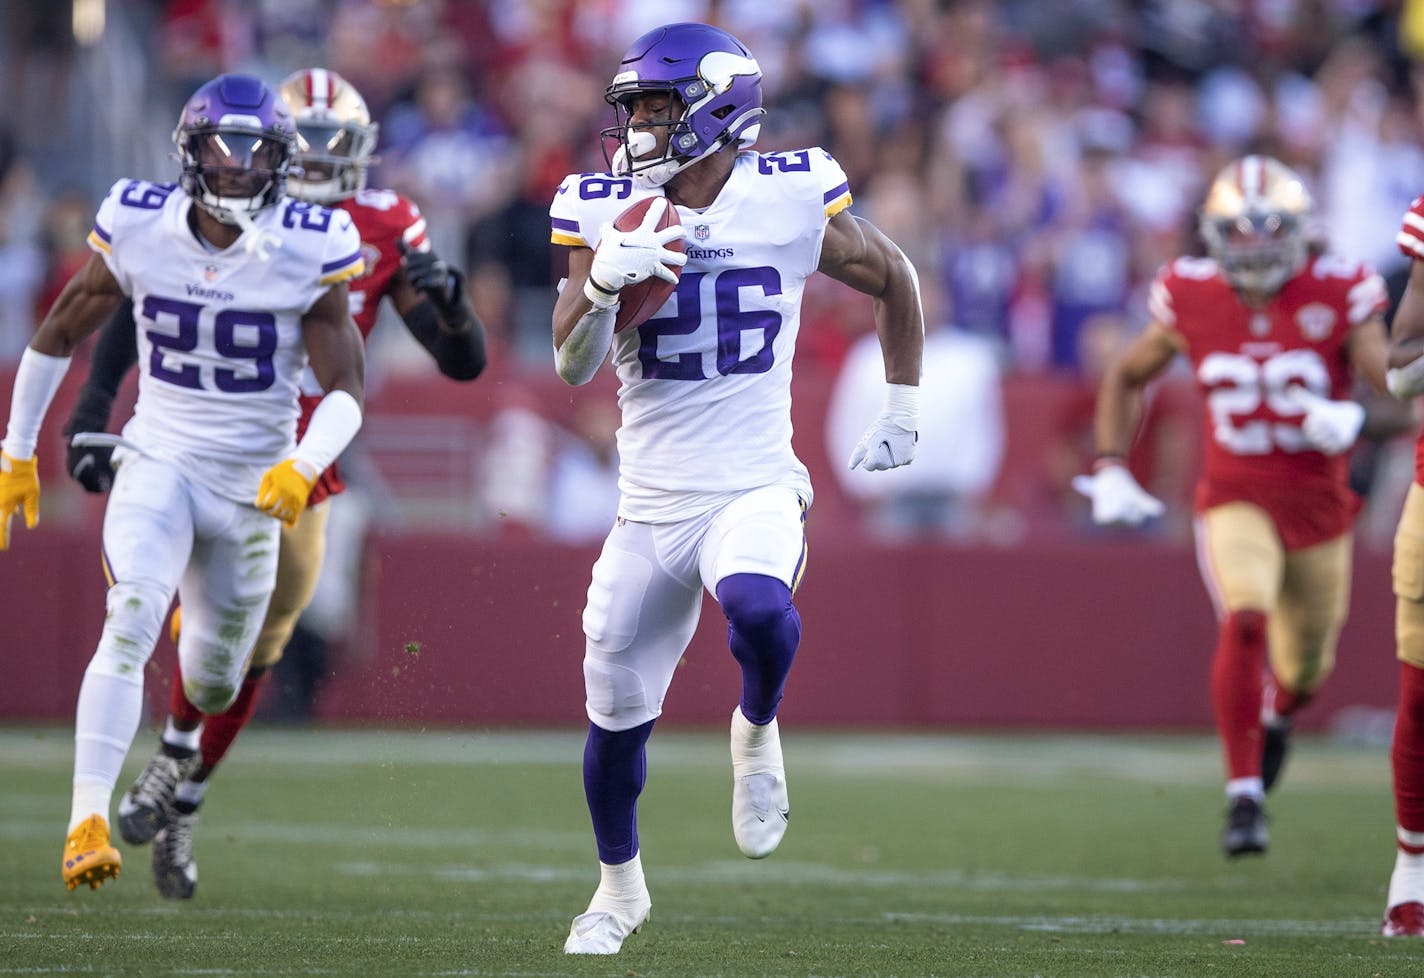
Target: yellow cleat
column 88, row 857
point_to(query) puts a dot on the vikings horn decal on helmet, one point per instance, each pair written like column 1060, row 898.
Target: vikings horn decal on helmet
column 712, row 75
column 235, row 140
column 335, row 135
column 1253, row 222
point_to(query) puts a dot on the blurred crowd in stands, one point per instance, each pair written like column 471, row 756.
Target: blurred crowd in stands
column 1037, row 161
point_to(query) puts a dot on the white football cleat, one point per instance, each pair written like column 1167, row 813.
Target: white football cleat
column 760, row 808
column 619, row 908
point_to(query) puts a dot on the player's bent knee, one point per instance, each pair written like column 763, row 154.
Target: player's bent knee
column 754, row 603
column 272, row 640
column 1246, row 626
column 617, row 697
column 133, row 621
column 210, row 699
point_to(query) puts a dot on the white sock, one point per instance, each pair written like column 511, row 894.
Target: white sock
column 190, row 792
column 186, row 739
column 90, row 798
column 105, row 722
column 1406, row 883
column 1245, row 787
column 621, row 885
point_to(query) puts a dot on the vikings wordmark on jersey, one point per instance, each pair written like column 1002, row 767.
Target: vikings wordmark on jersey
column 733, row 319
column 219, row 331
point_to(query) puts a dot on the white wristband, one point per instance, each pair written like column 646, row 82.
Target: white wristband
column 902, row 404
column 36, row 381
column 333, row 424
column 600, row 297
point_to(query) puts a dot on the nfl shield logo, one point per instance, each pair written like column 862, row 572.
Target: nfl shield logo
column 210, row 273
column 701, row 231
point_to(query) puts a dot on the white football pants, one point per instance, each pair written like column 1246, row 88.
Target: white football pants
column 646, row 594
column 164, row 532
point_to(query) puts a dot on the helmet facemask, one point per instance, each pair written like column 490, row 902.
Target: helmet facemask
column 1253, row 223
column 332, row 159
column 1257, row 250
column 233, row 172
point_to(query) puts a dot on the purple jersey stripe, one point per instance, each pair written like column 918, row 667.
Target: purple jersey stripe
column 332, row 266
column 559, row 224
column 103, row 235
column 837, row 192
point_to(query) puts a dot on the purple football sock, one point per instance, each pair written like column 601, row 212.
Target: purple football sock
column 763, row 630
column 615, row 767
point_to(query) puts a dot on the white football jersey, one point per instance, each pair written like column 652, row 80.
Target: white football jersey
column 706, row 382
column 220, row 346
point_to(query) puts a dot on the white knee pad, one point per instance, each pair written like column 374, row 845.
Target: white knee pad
column 617, row 697
column 135, row 611
column 212, row 700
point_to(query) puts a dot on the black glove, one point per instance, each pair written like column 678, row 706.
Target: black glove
column 441, row 282
column 92, row 465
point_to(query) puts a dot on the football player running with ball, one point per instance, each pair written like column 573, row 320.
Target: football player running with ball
column 335, row 142
column 712, row 494
column 1275, row 336
column 236, row 288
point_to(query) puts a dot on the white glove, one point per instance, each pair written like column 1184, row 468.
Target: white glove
column 1406, row 381
column 628, row 257
column 1330, row 426
column 1116, row 496
column 890, row 440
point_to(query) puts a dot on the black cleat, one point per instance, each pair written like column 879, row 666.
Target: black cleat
column 1275, row 744
column 145, row 808
column 175, row 871
column 1245, row 828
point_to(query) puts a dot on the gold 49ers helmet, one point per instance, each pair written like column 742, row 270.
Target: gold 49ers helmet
column 335, row 135
column 1254, row 221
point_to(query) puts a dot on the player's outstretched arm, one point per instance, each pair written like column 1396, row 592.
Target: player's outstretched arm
column 338, row 359
column 85, row 302
column 431, row 297
column 855, row 252
column 1115, row 494
column 115, row 353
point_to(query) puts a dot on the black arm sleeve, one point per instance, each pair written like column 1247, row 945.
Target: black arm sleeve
column 115, row 353
column 459, row 351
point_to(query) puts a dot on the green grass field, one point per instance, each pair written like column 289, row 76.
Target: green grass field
column 467, row 853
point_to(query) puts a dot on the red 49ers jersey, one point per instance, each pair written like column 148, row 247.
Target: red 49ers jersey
column 1246, row 360
column 1411, row 241
column 383, row 219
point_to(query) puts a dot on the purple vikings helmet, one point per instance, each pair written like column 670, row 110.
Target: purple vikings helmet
column 718, row 82
column 235, row 141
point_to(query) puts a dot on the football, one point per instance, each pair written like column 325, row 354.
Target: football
column 637, row 303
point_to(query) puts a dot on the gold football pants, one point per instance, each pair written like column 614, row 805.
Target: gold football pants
column 299, row 558
column 1304, row 593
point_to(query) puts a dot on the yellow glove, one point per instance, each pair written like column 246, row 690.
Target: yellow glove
column 284, row 490
column 19, row 486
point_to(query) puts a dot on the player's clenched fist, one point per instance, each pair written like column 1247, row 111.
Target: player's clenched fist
column 284, row 490
column 19, row 487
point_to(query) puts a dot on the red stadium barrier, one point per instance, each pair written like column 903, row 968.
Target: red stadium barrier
column 462, row 631
column 1062, row 631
